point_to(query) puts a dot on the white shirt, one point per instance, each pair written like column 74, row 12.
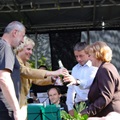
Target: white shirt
column 85, row 74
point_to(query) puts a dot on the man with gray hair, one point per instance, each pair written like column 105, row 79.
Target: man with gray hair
column 10, row 71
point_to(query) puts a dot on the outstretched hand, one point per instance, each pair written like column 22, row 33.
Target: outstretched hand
column 69, row 78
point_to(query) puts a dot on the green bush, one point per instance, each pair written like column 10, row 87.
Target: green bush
column 77, row 115
column 41, row 61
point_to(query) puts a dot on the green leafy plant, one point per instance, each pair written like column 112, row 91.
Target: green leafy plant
column 41, row 61
column 80, row 107
column 77, row 115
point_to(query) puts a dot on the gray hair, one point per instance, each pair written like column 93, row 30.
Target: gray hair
column 14, row 25
column 80, row 46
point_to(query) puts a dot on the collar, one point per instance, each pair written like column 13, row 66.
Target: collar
column 88, row 63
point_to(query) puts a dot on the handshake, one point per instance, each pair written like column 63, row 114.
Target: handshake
column 65, row 77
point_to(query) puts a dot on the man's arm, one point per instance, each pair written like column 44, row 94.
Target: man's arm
column 70, row 99
column 8, row 90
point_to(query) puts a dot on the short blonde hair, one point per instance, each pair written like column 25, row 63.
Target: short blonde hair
column 100, row 50
column 26, row 42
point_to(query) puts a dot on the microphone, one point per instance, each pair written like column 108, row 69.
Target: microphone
column 45, row 99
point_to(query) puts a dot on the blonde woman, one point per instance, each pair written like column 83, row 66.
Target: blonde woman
column 104, row 94
column 29, row 75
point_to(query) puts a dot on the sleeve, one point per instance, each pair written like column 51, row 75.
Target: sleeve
column 70, row 97
column 37, row 75
column 41, row 82
column 106, row 86
column 31, row 73
column 71, row 93
column 7, row 57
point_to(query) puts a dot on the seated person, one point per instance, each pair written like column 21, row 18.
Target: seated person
column 54, row 95
column 43, row 67
column 33, row 95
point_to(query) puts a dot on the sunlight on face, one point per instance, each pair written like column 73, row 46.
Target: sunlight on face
column 27, row 52
column 93, row 59
column 19, row 37
column 54, row 96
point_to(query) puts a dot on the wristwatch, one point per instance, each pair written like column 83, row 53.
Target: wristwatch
column 77, row 82
column 36, row 99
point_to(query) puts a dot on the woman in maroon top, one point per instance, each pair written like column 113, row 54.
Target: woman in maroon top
column 104, row 94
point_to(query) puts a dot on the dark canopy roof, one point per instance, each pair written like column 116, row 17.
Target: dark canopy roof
column 47, row 15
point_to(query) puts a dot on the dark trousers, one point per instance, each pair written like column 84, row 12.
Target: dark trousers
column 6, row 115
